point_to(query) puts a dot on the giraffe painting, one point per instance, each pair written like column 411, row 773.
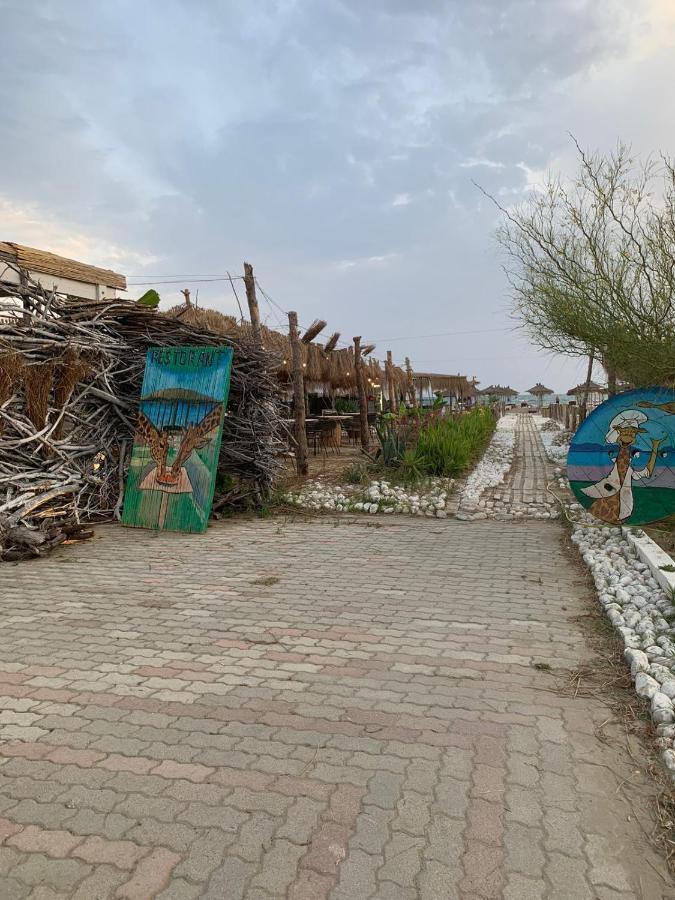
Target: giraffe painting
column 620, row 463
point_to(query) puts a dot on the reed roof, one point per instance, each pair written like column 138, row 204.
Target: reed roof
column 457, row 385
column 540, row 390
column 60, row 266
column 333, row 369
column 497, row 390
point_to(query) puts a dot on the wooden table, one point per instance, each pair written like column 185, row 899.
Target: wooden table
column 337, row 431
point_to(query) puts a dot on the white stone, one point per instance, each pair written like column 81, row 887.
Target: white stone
column 645, row 685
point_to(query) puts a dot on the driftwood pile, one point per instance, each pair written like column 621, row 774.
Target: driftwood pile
column 70, row 381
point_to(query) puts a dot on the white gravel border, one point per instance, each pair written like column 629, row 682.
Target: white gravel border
column 491, row 469
column 638, row 597
column 428, row 499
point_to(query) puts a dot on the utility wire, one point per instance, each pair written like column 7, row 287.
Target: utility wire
column 191, row 279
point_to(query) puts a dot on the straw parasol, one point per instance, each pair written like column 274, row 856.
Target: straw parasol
column 540, row 391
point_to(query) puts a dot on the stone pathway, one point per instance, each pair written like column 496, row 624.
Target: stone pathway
column 312, row 709
column 523, row 494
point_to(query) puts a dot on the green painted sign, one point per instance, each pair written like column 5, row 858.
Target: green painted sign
column 172, row 474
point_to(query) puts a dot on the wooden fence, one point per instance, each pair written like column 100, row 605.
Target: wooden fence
column 569, row 415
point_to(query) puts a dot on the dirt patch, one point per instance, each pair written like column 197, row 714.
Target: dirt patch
column 607, row 678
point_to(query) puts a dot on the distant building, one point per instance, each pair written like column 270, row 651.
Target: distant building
column 457, row 390
column 66, row 276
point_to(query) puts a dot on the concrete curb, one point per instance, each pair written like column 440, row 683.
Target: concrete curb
column 652, row 555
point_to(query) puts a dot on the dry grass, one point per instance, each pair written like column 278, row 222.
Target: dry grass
column 609, row 681
column 38, row 380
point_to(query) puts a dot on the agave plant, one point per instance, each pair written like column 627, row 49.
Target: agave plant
column 392, row 441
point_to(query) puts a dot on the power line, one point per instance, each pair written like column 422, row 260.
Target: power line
column 188, row 278
column 215, row 277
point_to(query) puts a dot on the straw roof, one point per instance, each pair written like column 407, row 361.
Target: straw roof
column 60, row 266
column 593, row 387
column 540, row 390
column 496, row 390
column 332, row 370
column 457, row 385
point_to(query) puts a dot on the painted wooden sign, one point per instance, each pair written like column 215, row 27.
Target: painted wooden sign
column 621, row 462
column 172, row 474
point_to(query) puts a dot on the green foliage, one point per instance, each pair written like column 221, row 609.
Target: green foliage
column 346, row 405
column 357, row 474
column 392, row 441
column 449, row 446
column 425, row 443
column 410, row 467
column 590, row 264
column 150, row 298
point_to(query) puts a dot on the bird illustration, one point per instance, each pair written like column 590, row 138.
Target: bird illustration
column 668, row 408
column 195, row 437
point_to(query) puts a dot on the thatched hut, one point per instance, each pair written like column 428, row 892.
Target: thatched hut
column 457, row 389
column 497, row 393
column 327, row 371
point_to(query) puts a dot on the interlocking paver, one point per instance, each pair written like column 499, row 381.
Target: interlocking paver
column 370, row 727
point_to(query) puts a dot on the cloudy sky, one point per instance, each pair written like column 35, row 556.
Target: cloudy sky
column 333, row 143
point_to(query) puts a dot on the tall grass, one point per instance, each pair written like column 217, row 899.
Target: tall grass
column 449, row 446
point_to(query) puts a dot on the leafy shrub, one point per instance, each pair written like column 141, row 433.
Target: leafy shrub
column 345, row 405
column 392, row 441
column 449, row 446
column 357, row 474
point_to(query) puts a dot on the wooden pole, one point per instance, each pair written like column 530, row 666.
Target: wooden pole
column 254, row 311
column 298, row 396
column 411, row 383
column 587, row 384
column 363, row 399
column 390, row 384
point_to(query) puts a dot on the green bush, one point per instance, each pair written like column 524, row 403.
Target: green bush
column 346, row 405
column 449, row 446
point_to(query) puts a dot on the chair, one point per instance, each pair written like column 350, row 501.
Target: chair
column 326, row 434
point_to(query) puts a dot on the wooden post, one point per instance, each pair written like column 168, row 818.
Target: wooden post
column 587, row 383
column 411, row 383
column 186, row 294
column 363, row 399
column 298, row 396
column 390, row 384
column 254, row 312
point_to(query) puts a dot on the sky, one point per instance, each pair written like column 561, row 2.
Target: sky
column 334, row 144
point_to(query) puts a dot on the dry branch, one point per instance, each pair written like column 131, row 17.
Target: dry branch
column 70, row 382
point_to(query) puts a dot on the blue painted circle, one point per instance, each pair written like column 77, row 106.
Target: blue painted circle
column 621, row 461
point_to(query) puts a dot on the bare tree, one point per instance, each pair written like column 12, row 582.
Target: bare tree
column 591, row 264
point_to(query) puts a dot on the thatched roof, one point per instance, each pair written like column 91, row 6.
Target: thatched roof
column 593, row 387
column 540, row 390
column 333, row 370
column 456, row 385
column 42, row 262
column 496, row 390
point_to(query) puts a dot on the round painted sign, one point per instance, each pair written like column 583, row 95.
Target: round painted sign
column 621, row 462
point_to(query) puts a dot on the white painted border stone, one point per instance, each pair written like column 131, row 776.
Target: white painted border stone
column 636, row 595
column 654, row 556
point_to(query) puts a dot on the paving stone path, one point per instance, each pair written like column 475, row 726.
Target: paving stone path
column 312, row 710
column 524, row 491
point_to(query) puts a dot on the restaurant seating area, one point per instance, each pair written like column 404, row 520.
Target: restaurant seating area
column 331, row 431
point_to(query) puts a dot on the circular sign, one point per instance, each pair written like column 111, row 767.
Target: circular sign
column 621, row 461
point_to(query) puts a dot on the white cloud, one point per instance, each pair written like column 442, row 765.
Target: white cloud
column 37, row 227
column 366, row 262
column 401, row 200
column 481, row 163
